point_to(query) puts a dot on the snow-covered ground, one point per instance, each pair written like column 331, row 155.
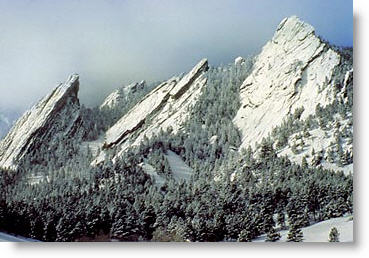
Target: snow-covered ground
column 150, row 170
column 319, row 140
column 319, row 232
column 94, row 145
column 180, row 169
column 10, row 238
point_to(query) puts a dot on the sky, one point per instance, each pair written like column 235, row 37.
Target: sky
column 112, row 43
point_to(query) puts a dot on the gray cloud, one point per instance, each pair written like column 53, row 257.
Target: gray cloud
column 111, row 43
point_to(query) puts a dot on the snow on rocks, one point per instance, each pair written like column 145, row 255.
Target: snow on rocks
column 293, row 70
column 239, row 61
column 213, row 139
column 118, row 96
column 57, row 113
column 164, row 107
column 135, row 118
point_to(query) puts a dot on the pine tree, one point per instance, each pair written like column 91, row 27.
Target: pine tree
column 117, row 229
column 266, row 150
column 63, row 231
column 149, row 218
column 295, row 234
column 304, row 163
column 334, row 235
column 294, row 148
column 281, row 219
column 245, row 236
column 272, row 236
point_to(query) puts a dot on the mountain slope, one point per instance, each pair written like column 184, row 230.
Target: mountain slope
column 185, row 128
column 56, row 115
column 164, row 107
column 319, row 232
column 115, row 99
column 296, row 76
column 294, row 70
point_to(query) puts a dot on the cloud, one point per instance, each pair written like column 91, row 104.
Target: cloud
column 112, row 43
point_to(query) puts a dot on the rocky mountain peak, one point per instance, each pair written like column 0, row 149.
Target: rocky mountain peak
column 70, row 87
column 189, row 78
column 115, row 99
column 295, row 69
column 55, row 114
column 165, row 106
column 290, row 29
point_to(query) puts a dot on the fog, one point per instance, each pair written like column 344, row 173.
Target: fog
column 113, row 43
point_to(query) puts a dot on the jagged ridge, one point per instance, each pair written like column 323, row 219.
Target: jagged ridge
column 118, row 96
column 294, row 70
column 55, row 114
column 165, row 106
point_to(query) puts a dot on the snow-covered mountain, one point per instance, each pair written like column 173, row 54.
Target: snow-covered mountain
column 236, row 152
column 115, row 99
column 56, row 115
column 294, row 80
column 295, row 71
column 165, row 106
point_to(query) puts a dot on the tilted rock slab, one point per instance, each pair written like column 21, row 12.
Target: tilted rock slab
column 56, row 114
column 294, row 70
column 166, row 106
column 120, row 95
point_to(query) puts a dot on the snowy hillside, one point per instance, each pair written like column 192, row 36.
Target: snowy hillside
column 10, row 238
column 319, row 232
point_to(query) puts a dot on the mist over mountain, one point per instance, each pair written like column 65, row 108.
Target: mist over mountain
column 4, row 125
column 7, row 119
column 115, row 43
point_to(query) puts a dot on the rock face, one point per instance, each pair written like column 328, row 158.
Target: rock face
column 120, row 95
column 57, row 114
column 294, row 70
column 165, row 106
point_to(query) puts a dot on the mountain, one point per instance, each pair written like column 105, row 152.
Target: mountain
column 115, row 99
column 55, row 116
column 296, row 76
column 295, row 79
column 236, row 152
column 295, row 71
column 163, row 108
